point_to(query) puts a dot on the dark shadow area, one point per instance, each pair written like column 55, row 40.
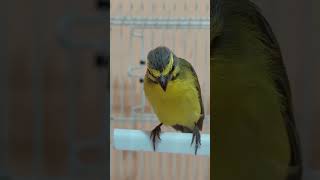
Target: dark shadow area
column 296, row 25
column 54, row 89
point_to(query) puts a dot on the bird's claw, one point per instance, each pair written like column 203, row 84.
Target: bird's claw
column 155, row 133
column 197, row 138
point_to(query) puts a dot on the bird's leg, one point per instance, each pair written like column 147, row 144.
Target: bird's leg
column 155, row 133
column 197, row 137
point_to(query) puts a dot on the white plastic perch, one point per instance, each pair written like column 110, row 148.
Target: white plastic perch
column 171, row 142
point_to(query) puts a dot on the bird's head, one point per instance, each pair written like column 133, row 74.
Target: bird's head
column 161, row 66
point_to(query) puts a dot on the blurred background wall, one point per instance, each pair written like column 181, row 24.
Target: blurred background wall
column 53, row 93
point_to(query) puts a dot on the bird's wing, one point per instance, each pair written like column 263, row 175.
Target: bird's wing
column 281, row 81
column 189, row 66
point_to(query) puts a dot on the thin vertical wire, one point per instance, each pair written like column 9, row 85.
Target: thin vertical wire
column 152, row 46
column 196, row 8
column 122, row 91
column 194, row 167
column 184, row 173
column 162, row 37
column 132, row 84
column 195, row 46
column 163, row 166
column 131, row 54
column 130, row 162
column 207, row 170
column 121, row 173
column 111, row 160
column 174, row 156
column 208, row 8
column 141, row 159
column 111, row 78
column 121, row 163
column 152, row 38
column 140, row 170
column 111, row 163
column 164, row 160
column 184, row 42
column 143, row 101
column 174, row 32
column 153, row 158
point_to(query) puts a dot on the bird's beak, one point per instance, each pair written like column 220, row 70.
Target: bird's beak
column 163, row 82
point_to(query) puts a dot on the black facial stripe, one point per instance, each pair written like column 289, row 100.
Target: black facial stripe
column 153, row 77
column 173, row 77
column 172, row 69
column 151, row 74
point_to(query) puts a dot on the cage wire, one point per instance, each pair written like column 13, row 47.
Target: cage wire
column 137, row 26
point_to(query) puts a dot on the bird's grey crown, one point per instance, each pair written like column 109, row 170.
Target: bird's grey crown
column 158, row 58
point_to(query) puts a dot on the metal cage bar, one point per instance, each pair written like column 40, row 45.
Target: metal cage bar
column 161, row 22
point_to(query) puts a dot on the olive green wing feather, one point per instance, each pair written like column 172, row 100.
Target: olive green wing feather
column 251, row 12
column 197, row 85
column 281, row 81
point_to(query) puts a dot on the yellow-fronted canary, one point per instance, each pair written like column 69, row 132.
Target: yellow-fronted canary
column 172, row 87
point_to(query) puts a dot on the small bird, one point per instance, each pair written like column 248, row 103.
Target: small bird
column 255, row 136
column 172, row 88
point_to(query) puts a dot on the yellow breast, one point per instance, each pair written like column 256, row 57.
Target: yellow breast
column 179, row 104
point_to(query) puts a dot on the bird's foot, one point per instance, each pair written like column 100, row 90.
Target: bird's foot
column 196, row 137
column 155, row 133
